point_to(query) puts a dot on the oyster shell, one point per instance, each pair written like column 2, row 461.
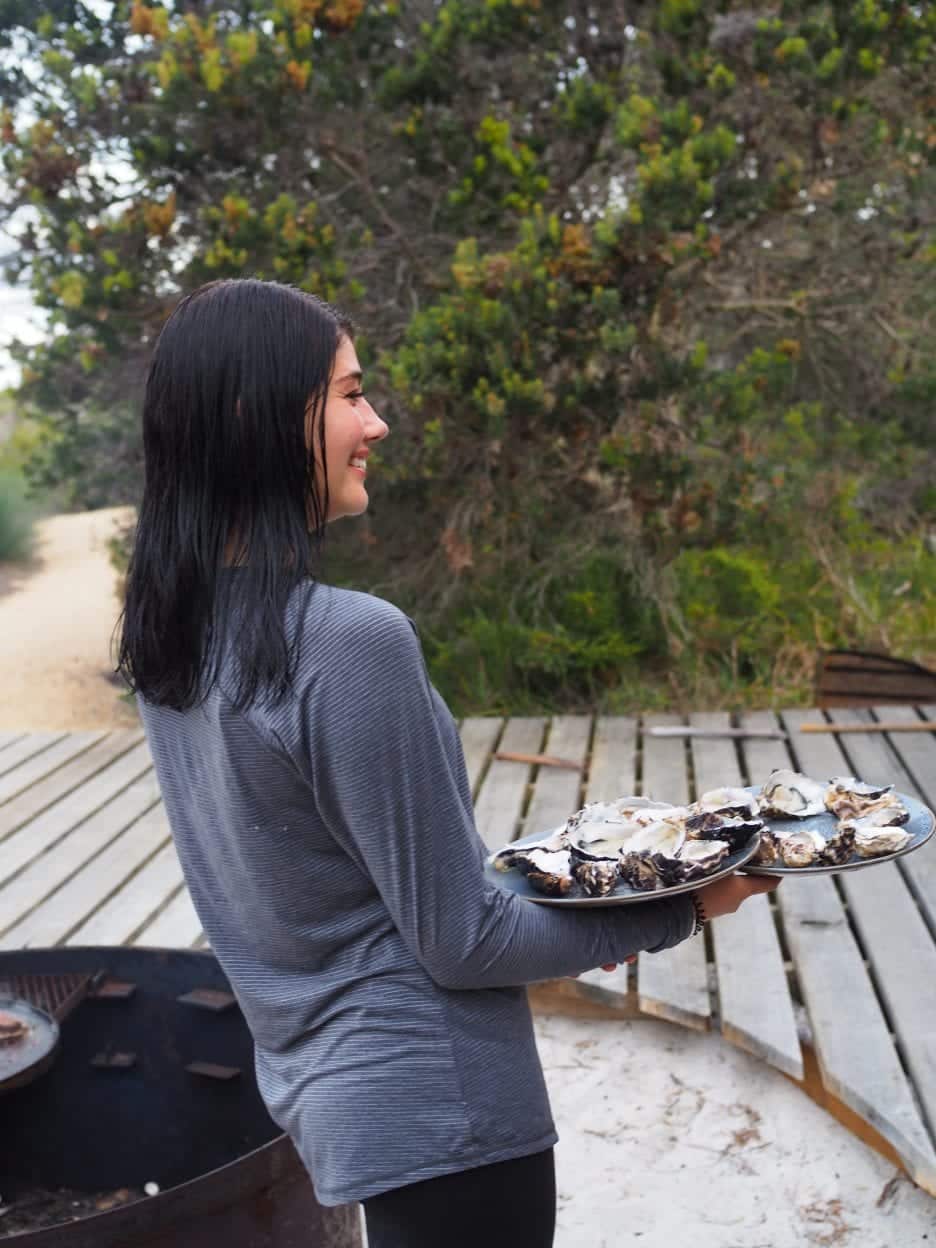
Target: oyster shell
column 839, row 848
column 505, row 859
column 597, row 878
column 548, row 871
column 694, row 860
column 803, row 848
column 639, row 871
column 873, row 841
column 768, row 849
column 715, row 825
column 790, row 794
column 879, row 831
column 595, row 839
column 849, row 797
column 729, row 801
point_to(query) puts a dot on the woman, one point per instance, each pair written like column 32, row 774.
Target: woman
column 317, row 794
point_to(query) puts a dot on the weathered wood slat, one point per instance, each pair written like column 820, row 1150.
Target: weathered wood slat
column 129, row 909
column 857, row 1058
column 756, row 1007
column 858, row 1062
column 48, row 869
column 478, row 736
column 83, row 821
column 86, row 752
column 177, row 926
column 892, row 930
column 58, row 915
column 672, row 984
column 9, row 738
column 26, row 747
column 915, row 774
column 499, row 804
column 557, row 790
column 613, row 767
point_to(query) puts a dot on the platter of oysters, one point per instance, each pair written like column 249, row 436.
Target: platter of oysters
column 815, row 827
column 631, row 849
column 635, row 849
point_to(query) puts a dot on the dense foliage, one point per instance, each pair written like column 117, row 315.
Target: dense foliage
column 646, row 291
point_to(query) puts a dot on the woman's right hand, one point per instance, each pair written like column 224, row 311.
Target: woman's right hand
column 726, row 895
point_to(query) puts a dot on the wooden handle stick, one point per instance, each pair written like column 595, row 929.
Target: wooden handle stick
column 883, row 727
column 543, row 760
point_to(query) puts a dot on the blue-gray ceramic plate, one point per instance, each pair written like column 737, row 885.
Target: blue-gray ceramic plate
column 623, row 893
column 920, row 826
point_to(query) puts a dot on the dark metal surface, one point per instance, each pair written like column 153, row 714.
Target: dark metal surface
column 226, row 1173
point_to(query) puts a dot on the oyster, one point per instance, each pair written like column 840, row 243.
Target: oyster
column 768, row 849
column 715, row 825
column 638, row 810
column 803, row 848
column 839, row 848
column 849, row 798
column 548, row 871
column 639, row 871
column 790, row 794
column 597, row 878
column 872, row 841
column 729, row 801
column 878, row 832
column 694, row 860
column 507, row 858
column 594, row 839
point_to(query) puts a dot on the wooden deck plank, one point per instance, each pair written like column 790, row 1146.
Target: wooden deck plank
column 914, row 772
column 894, row 935
column 59, row 914
column 478, row 735
column 672, row 984
column 612, row 770
column 131, row 908
column 83, row 754
column 40, row 858
column 500, row 801
column 756, row 1007
column 31, row 842
column 10, row 738
column 27, row 746
column 857, row 1058
column 557, row 790
column 177, row 926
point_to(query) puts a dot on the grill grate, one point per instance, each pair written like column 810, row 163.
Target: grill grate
column 56, row 994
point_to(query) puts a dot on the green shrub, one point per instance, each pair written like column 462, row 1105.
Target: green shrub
column 18, row 516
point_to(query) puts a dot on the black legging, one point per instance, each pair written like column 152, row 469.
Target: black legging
column 510, row 1204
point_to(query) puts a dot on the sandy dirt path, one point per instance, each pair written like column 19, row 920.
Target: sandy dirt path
column 57, row 615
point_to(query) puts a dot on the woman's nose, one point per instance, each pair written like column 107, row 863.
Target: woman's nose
column 377, row 427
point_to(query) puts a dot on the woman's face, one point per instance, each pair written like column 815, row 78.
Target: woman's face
column 351, row 426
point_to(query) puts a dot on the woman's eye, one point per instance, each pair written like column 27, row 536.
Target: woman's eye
column 355, row 395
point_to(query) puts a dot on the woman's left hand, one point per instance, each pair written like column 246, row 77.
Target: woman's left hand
column 612, row 966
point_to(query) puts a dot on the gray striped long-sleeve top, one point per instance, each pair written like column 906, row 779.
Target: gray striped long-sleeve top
column 329, row 847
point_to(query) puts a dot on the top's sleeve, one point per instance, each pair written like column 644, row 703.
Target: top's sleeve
column 385, row 787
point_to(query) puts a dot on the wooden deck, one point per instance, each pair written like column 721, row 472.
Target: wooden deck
column 838, row 971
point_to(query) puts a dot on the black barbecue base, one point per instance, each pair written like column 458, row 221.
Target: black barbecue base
column 185, row 1115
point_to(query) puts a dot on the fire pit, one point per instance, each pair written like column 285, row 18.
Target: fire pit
column 152, row 1089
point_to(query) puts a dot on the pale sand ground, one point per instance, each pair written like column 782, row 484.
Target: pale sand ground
column 672, row 1138
column 56, row 620
column 667, row 1137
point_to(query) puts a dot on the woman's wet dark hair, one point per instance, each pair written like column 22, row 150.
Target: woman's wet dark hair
column 224, row 441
